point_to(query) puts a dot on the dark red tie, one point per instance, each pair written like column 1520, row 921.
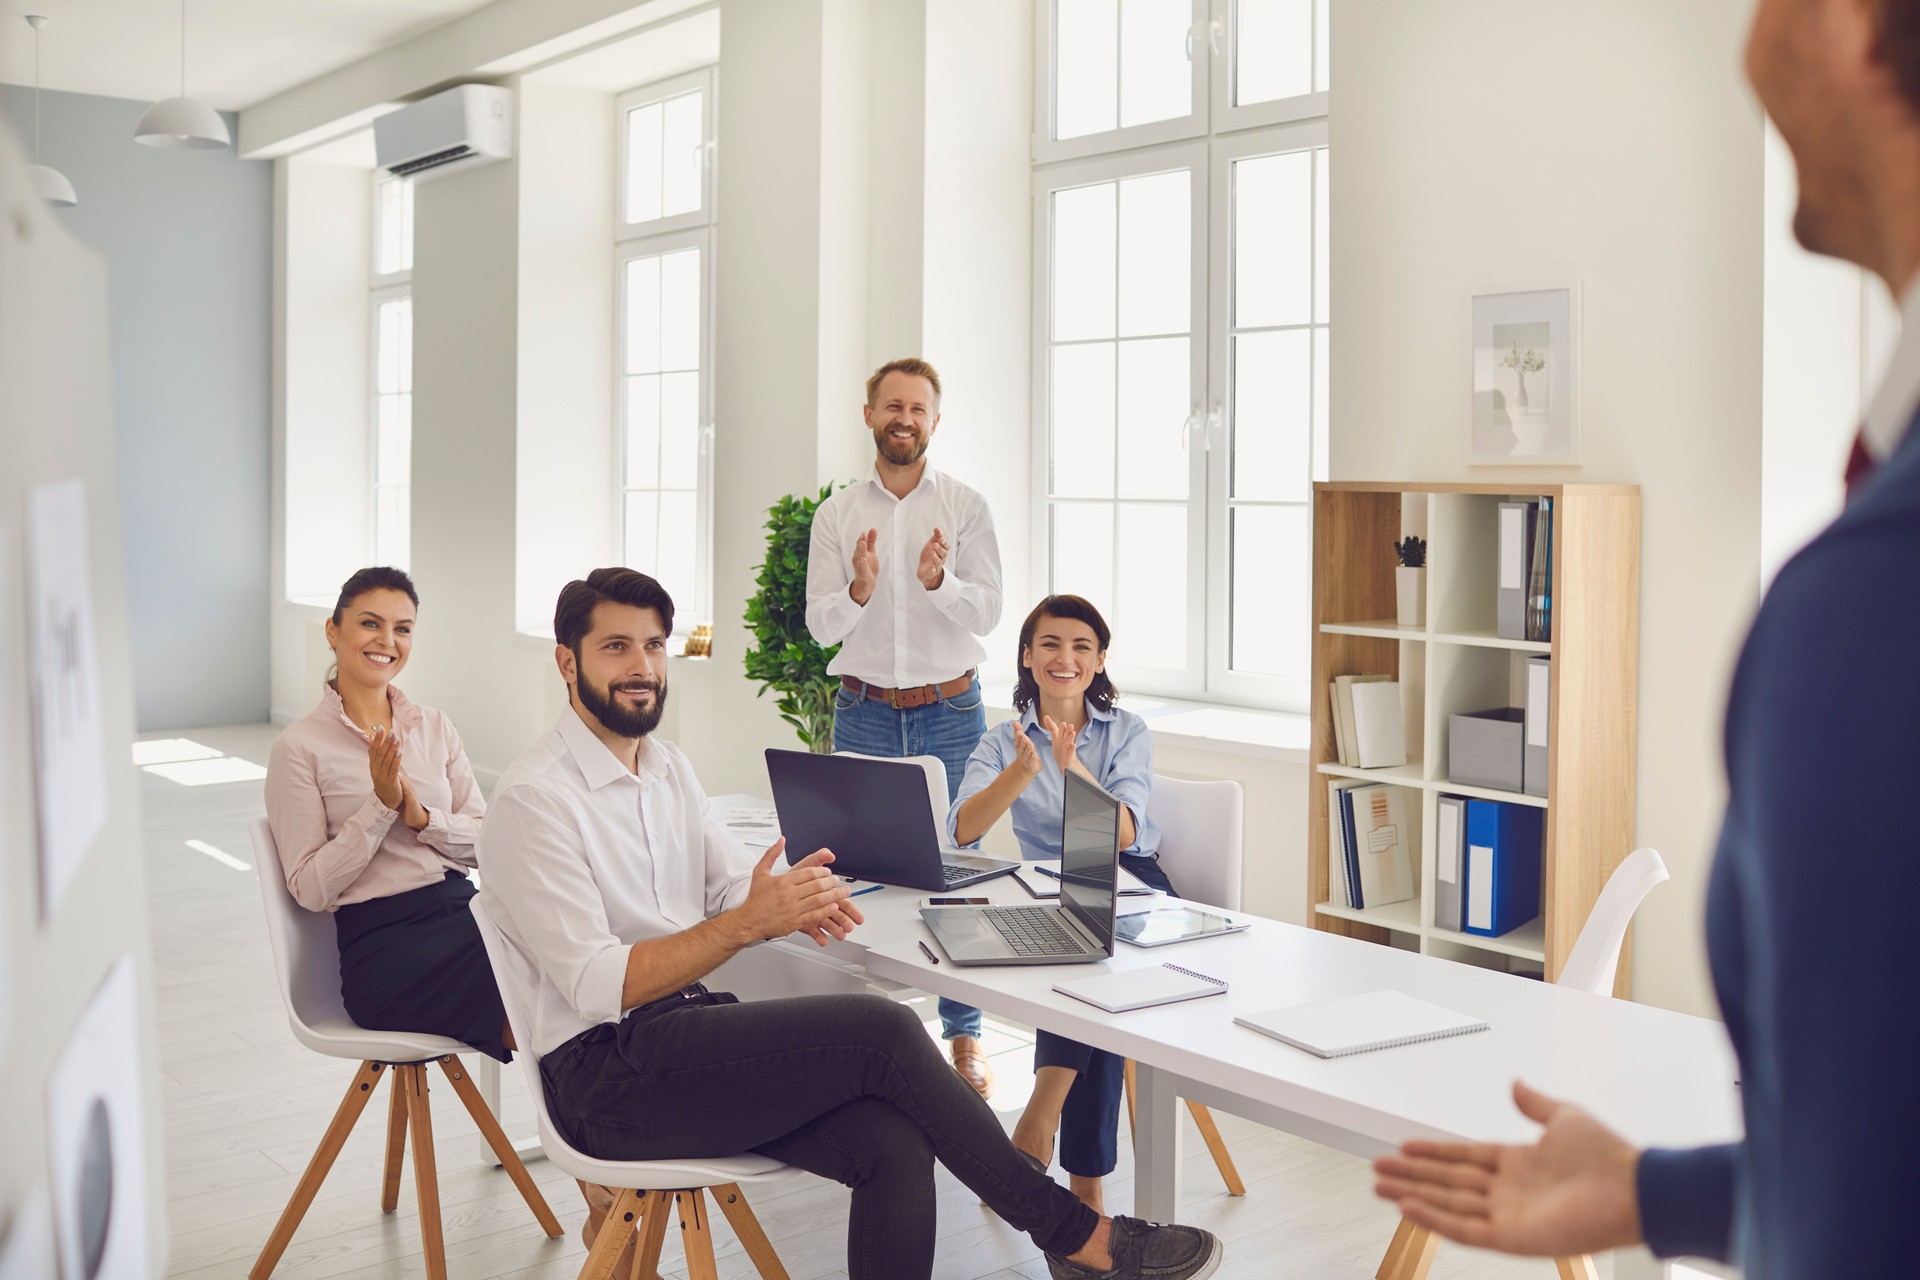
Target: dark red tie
column 1859, row 464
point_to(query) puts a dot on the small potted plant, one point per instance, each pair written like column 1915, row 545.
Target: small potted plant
column 1410, row 580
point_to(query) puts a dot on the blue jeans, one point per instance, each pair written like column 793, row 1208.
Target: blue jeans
column 949, row 728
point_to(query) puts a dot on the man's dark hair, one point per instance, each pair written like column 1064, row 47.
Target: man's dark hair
column 1897, row 31
column 1101, row 692
column 378, row 578
column 573, row 614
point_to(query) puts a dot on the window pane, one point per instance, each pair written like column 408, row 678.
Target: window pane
column 1272, row 50
column 643, row 532
column 395, row 360
column 1322, row 60
column 1273, row 240
column 643, row 315
column 1086, row 58
column 679, row 430
column 1322, row 226
column 679, row 541
column 393, row 226
column 1155, row 399
column 643, row 162
column 1156, row 80
column 1083, row 552
column 1152, row 606
column 643, row 432
column 1156, row 268
column 393, row 453
column 1270, row 590
column 1082, row 436
column 680, row 155
column 1083, row 265
column 1272, row 401
column 680, row 310
column 1322, row 383
column 392, row 535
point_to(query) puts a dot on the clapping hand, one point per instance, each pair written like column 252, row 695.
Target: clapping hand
column 1026, row 757
column 412, row 812
column 933, row 561
column 383, row 762
column 1066, row 742
column 807, row 899
column 866, row 566
column 1572, row 1192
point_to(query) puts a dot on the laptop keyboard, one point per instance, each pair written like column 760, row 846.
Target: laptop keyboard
column 953, row 873
column 1033, row 931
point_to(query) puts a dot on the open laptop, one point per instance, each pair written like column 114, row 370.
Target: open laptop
column 877, row 817
column 1080, row 928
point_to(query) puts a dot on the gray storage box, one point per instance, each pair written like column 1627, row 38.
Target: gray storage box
column 1488, row 748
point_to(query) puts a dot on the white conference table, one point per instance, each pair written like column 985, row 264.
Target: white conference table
column 1659, row 1078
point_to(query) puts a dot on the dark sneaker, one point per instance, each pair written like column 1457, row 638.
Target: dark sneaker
column 1149, row 1251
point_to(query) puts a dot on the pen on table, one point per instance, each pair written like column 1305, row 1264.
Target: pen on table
column 872, row 888
column 927, row 951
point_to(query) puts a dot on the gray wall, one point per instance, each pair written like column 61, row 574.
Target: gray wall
column 187, row 240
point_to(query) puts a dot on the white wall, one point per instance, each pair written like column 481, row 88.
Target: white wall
column 1490, row 138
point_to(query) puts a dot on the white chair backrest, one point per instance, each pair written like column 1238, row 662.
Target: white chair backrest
column 936, row 771
column 306, row 950
column 1201, row 837
column 513, row 978
column 1596, row 952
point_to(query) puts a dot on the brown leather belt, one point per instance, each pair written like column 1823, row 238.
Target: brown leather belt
column 907, row 699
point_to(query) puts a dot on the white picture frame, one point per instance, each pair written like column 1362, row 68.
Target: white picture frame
column 1526, row 375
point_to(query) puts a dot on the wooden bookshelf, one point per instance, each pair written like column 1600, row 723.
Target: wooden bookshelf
column 1455, row 662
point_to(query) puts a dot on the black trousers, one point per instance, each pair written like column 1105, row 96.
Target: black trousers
column 847, row 1087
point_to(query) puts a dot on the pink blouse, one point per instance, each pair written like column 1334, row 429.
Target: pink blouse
column 338, row 843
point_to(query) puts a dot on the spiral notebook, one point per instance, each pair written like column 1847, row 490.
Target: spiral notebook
column 1127, row 989
column 1356, row 1024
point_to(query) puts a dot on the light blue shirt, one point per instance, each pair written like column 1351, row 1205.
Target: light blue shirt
column 1114, row 746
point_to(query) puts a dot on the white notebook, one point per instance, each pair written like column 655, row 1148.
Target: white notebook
column 1125, row 989
column 1355, row 1024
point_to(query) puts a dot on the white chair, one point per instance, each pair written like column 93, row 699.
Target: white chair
column 1202, row 850
column 1590, row 967
column 647, row 1187
column 936, row 771
column 306, row 957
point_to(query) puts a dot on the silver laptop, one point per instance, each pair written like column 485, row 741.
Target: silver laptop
column 876, row 815
column 1080, row 929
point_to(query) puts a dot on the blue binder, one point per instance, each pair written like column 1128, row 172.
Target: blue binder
column 1347, row 847
column 1501, row 888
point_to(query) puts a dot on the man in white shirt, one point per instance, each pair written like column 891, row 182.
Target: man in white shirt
column 904, row 575
column 617, row 890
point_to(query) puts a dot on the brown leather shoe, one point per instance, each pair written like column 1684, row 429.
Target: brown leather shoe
column 972, row 1064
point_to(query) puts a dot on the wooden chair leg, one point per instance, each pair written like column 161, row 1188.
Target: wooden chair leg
column 733, row 1203
column 364, row 1082
column 653, row 1231
column 1580, row 1268
column 1132, row 1128
column 1217, row 1145
column 396, row 1143
column 1410, row 1255
column 426, row 1182
column 497, row 1139
column 612, row 1240
column 696, row 1237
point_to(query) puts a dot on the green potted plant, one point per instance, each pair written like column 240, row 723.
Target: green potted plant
column 1410, row 580
column 785, row 657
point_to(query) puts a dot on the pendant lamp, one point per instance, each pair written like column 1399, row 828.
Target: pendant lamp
column 182, row 121
column 50, row 184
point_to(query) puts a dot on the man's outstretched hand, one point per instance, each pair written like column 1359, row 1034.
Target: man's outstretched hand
column 1570, row 1193
column 807, row 899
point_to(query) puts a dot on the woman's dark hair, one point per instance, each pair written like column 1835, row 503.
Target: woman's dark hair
column 378, row 578
column 1101, row 692
column 573, row 613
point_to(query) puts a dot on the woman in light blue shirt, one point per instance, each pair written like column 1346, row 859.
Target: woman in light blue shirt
column 1065, row 720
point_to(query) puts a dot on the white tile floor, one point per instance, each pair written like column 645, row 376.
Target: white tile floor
column 245, row 1105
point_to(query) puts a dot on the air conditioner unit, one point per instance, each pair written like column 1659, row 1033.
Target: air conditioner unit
column 464, row 126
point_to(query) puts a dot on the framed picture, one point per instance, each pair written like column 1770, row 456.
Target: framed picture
column 1526, row 377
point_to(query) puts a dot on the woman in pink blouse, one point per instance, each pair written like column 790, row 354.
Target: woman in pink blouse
column 375, row 810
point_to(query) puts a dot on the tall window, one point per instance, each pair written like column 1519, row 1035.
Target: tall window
column 1181, row 360
column 392, row 329
column 663, row 257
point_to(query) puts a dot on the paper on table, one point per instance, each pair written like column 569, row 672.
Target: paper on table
column 71, row 764
column 97, row 1139
column 755, row 826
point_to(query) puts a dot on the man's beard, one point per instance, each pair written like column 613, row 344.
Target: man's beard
column 901, row 453
column 628, row 722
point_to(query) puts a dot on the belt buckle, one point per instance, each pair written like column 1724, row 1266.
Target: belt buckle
column 893, row 699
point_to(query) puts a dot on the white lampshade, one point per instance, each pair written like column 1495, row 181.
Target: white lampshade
column 52, row 186
column 183, row 122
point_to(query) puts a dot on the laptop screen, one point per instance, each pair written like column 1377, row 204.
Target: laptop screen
column 1090, row 857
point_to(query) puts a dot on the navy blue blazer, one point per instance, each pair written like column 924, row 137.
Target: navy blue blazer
column 1810, row 912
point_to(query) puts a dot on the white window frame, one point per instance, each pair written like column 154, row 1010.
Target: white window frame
column 696, row 230
column 382, row 288
column 1259, row 115
column 1048, row 149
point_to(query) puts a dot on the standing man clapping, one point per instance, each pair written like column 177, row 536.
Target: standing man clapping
column 904, row 575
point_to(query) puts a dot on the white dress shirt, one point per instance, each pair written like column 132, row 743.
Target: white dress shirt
column 905, row 635
column 1893, row 405
column 579, row 859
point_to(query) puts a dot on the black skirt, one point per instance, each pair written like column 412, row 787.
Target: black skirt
column 415, row 962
